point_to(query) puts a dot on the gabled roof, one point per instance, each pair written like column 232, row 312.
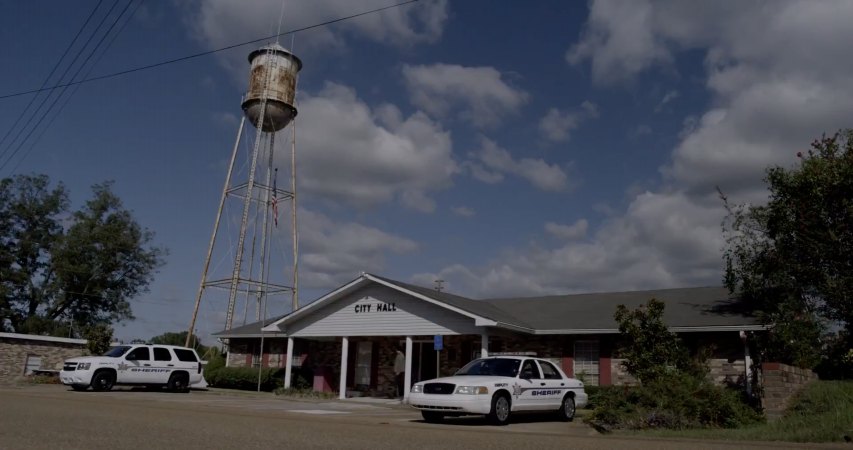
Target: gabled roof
column 687, row 309
column 250, row 330
column 35, row 337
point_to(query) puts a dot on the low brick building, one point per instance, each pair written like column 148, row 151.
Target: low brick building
column 21, row 354
column 357, row 329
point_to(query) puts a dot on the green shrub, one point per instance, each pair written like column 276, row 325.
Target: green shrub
column 674, row 401
column 44, row 379
column 245, row 378
column 305, row 393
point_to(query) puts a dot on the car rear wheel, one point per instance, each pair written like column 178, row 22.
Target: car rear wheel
column 499, row 415
column 567, row 409
column 103, row 381
column 432, row 416
column 179, row 382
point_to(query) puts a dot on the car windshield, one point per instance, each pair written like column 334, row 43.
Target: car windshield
column 115, row 352
column 498, row 367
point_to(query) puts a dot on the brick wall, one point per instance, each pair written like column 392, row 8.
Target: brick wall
column 780, row 383
column 14, row 352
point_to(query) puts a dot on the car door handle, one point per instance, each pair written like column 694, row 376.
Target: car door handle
column 541, row 384
column 147, row 365
column 170, row 365
column 562, row 384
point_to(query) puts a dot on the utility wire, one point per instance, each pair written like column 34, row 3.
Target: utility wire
column 37, row 123
column 210, row 52
column 68, row 98
column 52, row 71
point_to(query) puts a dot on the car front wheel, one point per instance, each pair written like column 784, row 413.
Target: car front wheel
column 103, row 381
column 499, row 414
column 567, row 409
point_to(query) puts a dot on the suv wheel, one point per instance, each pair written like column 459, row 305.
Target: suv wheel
column 179, row 382
column 103, row 381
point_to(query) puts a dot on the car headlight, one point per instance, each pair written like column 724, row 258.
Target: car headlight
column 472, row 390
column 83, row 366
column 417, row 389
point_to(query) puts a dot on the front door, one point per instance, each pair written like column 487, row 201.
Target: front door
column 131, row 370
column 529, row 384
column 423, row 361
column 363, row 363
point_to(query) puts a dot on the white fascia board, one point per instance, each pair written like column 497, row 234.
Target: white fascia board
column 253, row 335
column 718, row 328
column 35, row 337
column 273, row 327
column 429, row 300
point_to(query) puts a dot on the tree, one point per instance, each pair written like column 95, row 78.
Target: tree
column 650, row 350
column 98, row 338
column 791, row 261
column 61, row 269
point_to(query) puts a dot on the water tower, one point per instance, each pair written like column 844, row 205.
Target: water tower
column 269, row 105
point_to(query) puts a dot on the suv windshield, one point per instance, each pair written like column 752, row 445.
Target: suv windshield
column 115, row 352
column 499, row 367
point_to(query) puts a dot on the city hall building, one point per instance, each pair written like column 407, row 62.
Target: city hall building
column 347, row 341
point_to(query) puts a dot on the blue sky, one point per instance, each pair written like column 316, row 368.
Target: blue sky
column 507, row 147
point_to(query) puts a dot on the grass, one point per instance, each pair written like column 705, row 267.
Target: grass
column 823, row 412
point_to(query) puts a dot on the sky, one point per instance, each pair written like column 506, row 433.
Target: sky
column 509, row 148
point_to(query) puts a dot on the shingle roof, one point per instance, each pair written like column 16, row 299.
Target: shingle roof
column 686, row 308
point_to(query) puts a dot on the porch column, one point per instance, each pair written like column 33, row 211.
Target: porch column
column 407, row 380
column 747, row 362
column 484, row 345
column 288, row 364
column 342, row 388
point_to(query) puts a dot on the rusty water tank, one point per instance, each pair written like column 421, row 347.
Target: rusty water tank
column 272, row 76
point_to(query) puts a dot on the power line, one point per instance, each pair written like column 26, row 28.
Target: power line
column 68, row 98
column 52, row 71
column 209, row 52
column 36, row 123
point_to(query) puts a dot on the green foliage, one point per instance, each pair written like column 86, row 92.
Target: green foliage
column 650, row 350
column 791, row 261
column 98, row 338
column 305, row 393
column 674, row 401
column 822, row 412
column 179, row 339
column 245, row 378
column 61, row 269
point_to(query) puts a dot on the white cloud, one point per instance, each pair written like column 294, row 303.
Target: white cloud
column 557, row 125
column 667, row 98
column 480, row 94
column 778, row 77
column 224, row 22
column 332, row 252
column 544, row 176
column 351, row 154
column 576, row 230
column 463, row 211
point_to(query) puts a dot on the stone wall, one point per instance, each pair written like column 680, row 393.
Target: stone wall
column 780, row 383
column 14, row 352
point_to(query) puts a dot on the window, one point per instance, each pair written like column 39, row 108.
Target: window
column 363, row 359
column 162, row 354
column 139, row 354
column 33, row 363
column 529, row 371
column 185, row 355
column 499, row 367
column 586, row 362
column 549, row 372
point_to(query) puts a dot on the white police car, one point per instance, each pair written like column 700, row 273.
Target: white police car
column 498, row 386
column 177, row 368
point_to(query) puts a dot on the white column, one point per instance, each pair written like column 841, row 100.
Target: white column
column 342, row 389
column 484, row 345
column 747, row 363
column 288, row 364
column 407, row 379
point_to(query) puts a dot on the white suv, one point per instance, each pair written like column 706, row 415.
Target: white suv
column 177, row 368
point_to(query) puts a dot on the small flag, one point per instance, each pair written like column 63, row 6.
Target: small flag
column 275, row 199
